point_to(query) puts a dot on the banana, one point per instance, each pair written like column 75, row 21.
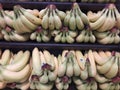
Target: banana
column 23, row 86
column 101, row 35
column 105, row 67
column 92, row 67
column 38, row 38
column 100, row 78
column 2, row 21
column 116, row 39
column 102, row 54
column 47, row 86
column 44, row 78
column 79, row 22
column 94, row 85
column 43, row 12
column 60, row 85
column 36, row 62
column 58, row 37
column 61, row 14
column 62, row 66
column 11, row 76
column 67, row 19
column 113, row 70
column 69, row 70
column 2, row 85
column 108, row 53
column 97, row 24
column 100, row 60
column 69, row 39
column 117, row 14
column 105, row 86
column 112, row 87
column 80, row 37
column 77, row 81
column 72, row 21
column 82, row 86
column 5, row 58
column 51, row 23
column 63, row 38
column 66, row 86
column 45, row 38
column 92, row 38
column 51, row 76
column 33, row 35
column 80, row 59
column 57, row 20
column 30, row 17
column 117, row 87
column 86, row 37
column 20, row 64
column 72, row 33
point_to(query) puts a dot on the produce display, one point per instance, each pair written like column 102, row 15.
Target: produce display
column 41, row 70
column 64, row 27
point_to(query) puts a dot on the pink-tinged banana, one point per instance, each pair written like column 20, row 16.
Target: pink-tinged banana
column 105, row 67
column 80, row 37
column 69, row 70
column 79, row 22
column 100, row 78
column 44, row 78
column 113, row 70
column 36, row 62
column 57, row 20
column 92, row 67
column 72, row 21
column 22, row 62
column 23, row 86
column 100, row 60
column 43, row 12
column 108, row 53
column 32, row 18
column 97, row 24
column 61, row 14
column 62, row 66
column 80, row 59
column 11, row 76
column 5, row 58
column 105, row 86
column 67, row 18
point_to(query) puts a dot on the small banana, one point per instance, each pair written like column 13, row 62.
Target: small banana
column 69, row 39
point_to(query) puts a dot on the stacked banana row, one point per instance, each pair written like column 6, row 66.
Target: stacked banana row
column 74, row 25
column 88, row 70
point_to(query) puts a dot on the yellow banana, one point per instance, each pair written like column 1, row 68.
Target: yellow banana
column 22, row 62
column 11, row 76
column 113, row 70
column 5, row 58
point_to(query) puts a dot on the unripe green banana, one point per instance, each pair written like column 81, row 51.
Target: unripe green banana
column 63, row 38
column 73, row 33
column 58, row 37
column 67, row 18
column 38, row 38
column 81, row 36
column 66, row 86
column 45, row 38
column 69, row 38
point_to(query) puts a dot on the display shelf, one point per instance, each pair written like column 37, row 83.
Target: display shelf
column 60, row 5
column 53, row 46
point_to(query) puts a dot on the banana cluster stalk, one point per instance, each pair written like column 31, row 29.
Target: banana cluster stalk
column 40, row 35
column 103, row 20
column 75, row 18
column 108, row 37
column 64, row 35
column 44, row 71
column 11, row 35
column 99, row 1
column 14, row 68
column 85, row 36
column 51, row 17
column 24, row 21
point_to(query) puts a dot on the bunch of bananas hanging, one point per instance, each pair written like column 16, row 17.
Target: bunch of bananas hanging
column 51, row 17
column 24, row 21
column 75, row 18
column 14, row 68
column 106, row 25
column 44, row 73
column 99, row 1
column 64, row 35
column 86, row 35
column 40, row 35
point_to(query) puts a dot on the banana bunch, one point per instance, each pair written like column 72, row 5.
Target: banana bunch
column 14, row 68
column 40, row 35
column 64, row 35
column 107, row 65
column 100, row 1
column 108, row 37
column 89, row 84
column 86, row 35
column 51, row 17
column 11, row 35
column 75, row 18
column 44, row 71
column 24, row 21
column 103, row 20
